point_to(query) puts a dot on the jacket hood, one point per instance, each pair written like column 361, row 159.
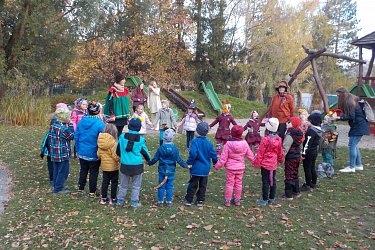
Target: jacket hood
column 297, row 135
column 105, row 141
column 89, row 121
column 235, row 147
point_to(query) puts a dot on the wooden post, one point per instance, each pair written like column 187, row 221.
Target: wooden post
column 319, row 84
column 371, row 64
column 360, row 72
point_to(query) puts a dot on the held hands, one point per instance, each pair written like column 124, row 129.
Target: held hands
column 189, row 166
column 112, row 118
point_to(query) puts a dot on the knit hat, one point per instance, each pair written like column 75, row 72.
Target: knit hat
column 78, row 102
column 93, row 108
column 295, row 121
column 202, row 128
column 272, row 124
column 236, row 131
column 315, row 119
column 135, row 124
column 192, row 105
column 119, row 77
column 169, row 135
column 226, row 107
column 62, row 114
column 61, row 106
column 254, row 114
column 281, row 84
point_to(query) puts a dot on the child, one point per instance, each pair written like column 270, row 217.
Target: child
column 61, row 134
column 79, row 111
column 190, row 122
column 167, row 155
column 292, row 146
column 166, row 119
column 86, row 143
column 109, row 162
column 131, row 147
column 223, row 131
column 303, row 114
column 330, row 136
column 270, row 152
column 232, row 157
column 253, row 135
column 313, row 138
column 200, row 154
column 140, row 114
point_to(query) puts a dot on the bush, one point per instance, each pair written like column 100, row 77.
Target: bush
column 64, row 98
column 24, row 109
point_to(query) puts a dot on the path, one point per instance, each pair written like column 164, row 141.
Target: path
column 5, row 187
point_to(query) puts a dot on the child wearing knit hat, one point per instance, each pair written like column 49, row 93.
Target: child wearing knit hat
column 292, row 146
column 268, row 155
column 233, row 159
column 167, row 155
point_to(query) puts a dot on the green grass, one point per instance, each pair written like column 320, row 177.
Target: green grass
column 339, row 214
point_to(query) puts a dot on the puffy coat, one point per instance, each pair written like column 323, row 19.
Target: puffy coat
column 190, row 122
column 76, row 116
column 233, row 155
column 270, row 152
column 107, row 152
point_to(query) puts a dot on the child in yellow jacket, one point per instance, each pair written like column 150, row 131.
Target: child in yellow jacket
column 107, row 143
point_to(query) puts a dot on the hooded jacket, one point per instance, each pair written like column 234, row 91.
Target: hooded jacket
column 233, row 155
column 313, row 138
column 86, row 137
column 107, row 152
column 270, row 152
column 292, row 144
column 200, row 155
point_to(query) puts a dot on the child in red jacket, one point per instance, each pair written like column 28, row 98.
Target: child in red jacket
column 232, row 157
column 269, row 154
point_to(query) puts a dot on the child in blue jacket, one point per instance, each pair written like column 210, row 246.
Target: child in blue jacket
column 167, row 155
column 131, row 147
column 200, row 155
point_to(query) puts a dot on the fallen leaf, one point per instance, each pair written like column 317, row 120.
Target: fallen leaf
column 208, row 228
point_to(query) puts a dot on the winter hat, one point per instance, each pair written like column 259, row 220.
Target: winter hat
column 135, row 124
column 315, row 119
column 202, row 128
column 192, row 105
column 62, row 114
column 119, row 77
column 295, row 121
column 93, row 108
column 316, row 111
column 236, row 131
column 226, row 107
column 61, row 106
column 254, row 114
column 78, row 102
column 169, row 135
column 272, row 124
column 282, row 84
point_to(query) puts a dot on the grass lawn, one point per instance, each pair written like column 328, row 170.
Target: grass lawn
column 340, row 214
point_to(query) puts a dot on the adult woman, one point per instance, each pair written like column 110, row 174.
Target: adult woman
column 352, row 111
column 154, row 103
column 117, row 103
column 138, row 96
column 282, row 107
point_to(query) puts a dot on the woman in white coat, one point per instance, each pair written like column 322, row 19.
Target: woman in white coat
column 154, row 103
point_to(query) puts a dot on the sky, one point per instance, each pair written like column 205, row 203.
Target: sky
column 365, row 16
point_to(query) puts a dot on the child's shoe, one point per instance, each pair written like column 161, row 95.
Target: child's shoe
column 120, row 203
column 237, row 202
column 200, row 203
column 112, row 201
column 262, row 202
column 297, row 195
column 136, row 204
column 271, row 201
column 227, row 203
column 305, row 188
column 286, row 198
column 160, row 204
column 169, row 204
column 103, row 201
column 186, row 202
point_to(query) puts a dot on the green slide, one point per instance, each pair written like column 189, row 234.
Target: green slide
column 366, row 90
column 211, row 95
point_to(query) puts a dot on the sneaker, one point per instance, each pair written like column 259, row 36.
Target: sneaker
column 286, row 198
column 305, row 188
column 314, row 186
column 358, row 168
column 262, row 202
column 200, row 203
column 348, row 169
column 186, row 202
column 120, row 203
column 227, row 203
column 237, row 202
column 92, row 195
column 297, row 195
column 271, row 201
column 63, row 192
column 136, row 204
column 160, row 204
column 112, row 201
column 169, row 204
column 103, row 201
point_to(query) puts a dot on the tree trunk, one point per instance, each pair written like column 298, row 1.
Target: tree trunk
column 198, row 19
column 319, row 84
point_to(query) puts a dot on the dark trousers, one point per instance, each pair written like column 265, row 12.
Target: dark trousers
column 110, row 177
column 196, row 182
column 291, row 187
column 119, row 130
column 87, row 167
column 309, row 168
column 189, row 138
column 60, row 174
column 291, row 177
column 50, row 169
column 268, row 190
column 281, row 130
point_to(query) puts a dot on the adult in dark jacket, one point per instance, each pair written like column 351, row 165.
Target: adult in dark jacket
column 352, row 111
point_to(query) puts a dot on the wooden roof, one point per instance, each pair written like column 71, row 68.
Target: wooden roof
column 368, row 41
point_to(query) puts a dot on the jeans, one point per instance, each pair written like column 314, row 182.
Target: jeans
column 167, row 188
column 327, row 154
column 87, row 167
column 124, row 185
column 354, row 154
column 60, row 173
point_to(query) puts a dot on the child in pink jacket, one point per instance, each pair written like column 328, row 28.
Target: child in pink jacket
column 269, row 154
column 232, row 157
column 78, row 112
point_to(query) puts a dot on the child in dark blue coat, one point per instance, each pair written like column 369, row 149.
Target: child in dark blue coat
column 200, row 155
column 167, row 155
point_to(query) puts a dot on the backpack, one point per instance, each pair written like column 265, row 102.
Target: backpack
column 367, row 111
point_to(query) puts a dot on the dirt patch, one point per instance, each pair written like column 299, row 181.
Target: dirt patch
column 5, row 187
